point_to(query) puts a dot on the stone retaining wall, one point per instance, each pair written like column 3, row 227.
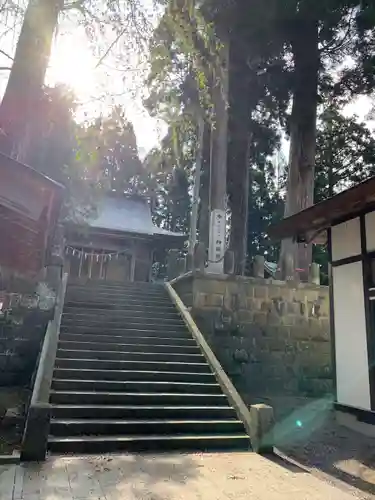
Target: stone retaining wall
column 271, row 337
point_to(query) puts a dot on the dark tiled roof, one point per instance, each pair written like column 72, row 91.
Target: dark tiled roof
column 128, row 215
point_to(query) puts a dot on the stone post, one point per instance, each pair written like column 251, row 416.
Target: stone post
column 181, row 266
column 229, row 262
column 258, row 266
column 262, row 423
column 172, row 264
column 200, row 257
column 55, row 264
column 314, row 275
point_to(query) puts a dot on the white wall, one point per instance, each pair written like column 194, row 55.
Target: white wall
column 353, row 388
column 370, row 231
column 346, row 239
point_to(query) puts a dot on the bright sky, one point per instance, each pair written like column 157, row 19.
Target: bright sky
column 98, row 88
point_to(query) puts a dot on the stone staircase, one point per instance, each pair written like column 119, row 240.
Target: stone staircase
column 129, row 376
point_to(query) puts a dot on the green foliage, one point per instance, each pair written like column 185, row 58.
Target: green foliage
column 109, row 145
column 345, row 153
column 266, row 206
column 171, row 169
column 57, row 150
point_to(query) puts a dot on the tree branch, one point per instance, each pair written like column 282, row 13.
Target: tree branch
column 5, row 68
column 121, row 33
column 6, row 55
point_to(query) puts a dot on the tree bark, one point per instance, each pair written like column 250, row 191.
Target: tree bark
column 204, row 195
column 26, row 79
column 238, row 149
column 218, row 168
column 296, row 258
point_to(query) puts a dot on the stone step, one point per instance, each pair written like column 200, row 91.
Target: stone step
column 155, row 443
column 131, row 356
column 119, row 316
column 160, row 322
column 129, row 340
column 116, row 364
column 109, row 427
column 131, row 375
column 144, row 294
column 136, row 329
column 126, row 307
column 96, row 285
column 115, row 303
column 68, row 411
column 136, row 398
column 126, row 347
column 135, row 386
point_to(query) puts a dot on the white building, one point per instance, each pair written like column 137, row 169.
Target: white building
column 348, row 219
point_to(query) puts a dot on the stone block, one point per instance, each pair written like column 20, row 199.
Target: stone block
column 273, row 319
column 272, row 331
column 271, row 344
column 260, row 318
column 325, row 324
column 253, row 304
column 242, row 301
column 299, row 332
column 288, row 320
column 251, row 331
column 245, row 316
column 3, row 361
column 293, row 308
column 316, row 387
column 211, row 286
column 323, row 301
column 286, row 292
column 266, row 306
column 214, row 300
column 279, row 306
column 317, row 330
column 274, row 292
column 262, row 424
column 260, row 292
column 35, row 438
column 248, row 289
column 318, row 370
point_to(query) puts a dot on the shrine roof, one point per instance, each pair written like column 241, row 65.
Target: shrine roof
column 127, row 214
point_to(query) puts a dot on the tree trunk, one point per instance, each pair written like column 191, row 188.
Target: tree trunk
column 240, row 98
column 296, row 258
column 204, row 194
column 26, row 79
column 197, row 185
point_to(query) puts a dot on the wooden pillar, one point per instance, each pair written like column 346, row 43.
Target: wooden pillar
column 80, row 264
column 90, row 264
column 132, row 266
column 101, row 266
column 151, row 262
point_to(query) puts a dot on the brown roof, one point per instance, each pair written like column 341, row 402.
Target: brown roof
column 323, row 215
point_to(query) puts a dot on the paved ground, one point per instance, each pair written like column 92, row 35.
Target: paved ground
column 165, row 477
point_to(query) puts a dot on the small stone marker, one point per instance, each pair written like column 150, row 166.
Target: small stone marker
column 229, row 262
column 258, row 266
column 261, row 428
column 314, row 274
